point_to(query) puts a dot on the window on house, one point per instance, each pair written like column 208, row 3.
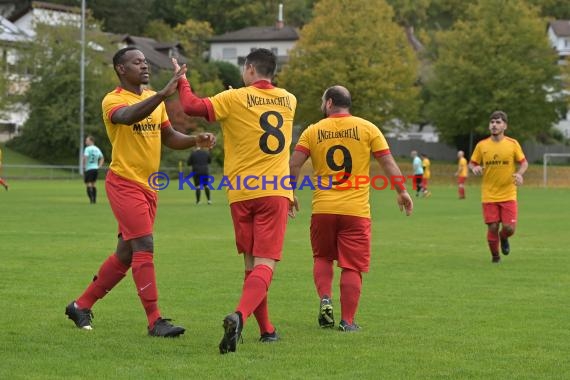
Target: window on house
column 229, row 53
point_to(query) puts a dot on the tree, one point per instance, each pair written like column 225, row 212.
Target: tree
column 52, row 131
column 160, row 31
column 555, row 9
column 238, row 14
column 498, row 58
column 131, row 16
column 355, row 44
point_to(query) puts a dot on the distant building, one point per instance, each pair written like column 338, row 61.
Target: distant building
column 46, row 13
column 426, row 133
column 234, row 46
column 12, row 39
column 559, row 35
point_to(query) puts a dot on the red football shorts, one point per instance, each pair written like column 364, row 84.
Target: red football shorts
column 259, row 226
column 133, row 205
column 461, row 180
column 424, row 183
column 344, row 238
column 504, row 212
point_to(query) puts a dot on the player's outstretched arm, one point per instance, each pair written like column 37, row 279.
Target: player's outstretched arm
column 176, row 140
column 191, row 104
column 131, row 114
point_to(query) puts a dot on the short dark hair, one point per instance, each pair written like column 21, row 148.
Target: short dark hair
column 499, row 115
column 339, row 96
column 118, row 57
column 264, row 61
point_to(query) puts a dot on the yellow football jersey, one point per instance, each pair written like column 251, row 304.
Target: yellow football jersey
column 136, row 148
column 463, row 168
column 340, row 147
column 257, row 126
column 498, row 159
column 426, row 164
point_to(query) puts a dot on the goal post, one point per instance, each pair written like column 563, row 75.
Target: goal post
column 545, row 160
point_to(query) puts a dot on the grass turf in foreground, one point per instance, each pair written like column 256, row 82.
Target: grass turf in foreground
column 433, row 306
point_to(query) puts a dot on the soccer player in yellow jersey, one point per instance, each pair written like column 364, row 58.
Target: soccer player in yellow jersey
column 461, row 173
column 340, row 146
column 2, row 181
column 426, row 164
column 137, row 124
column 496, row 158
column 257, row 122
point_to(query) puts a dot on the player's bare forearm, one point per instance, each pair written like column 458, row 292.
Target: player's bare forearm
column 392, row 171
column 176, row 140
column 523, row 167
column 131, row 114
column 295, row 164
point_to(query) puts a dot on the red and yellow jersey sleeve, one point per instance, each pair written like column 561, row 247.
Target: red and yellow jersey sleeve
column 463, row 168
column 136, row 147
column 340, row 147
column 499, row 160
column 257, row 124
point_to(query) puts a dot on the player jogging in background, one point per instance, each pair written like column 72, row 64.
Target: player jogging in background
column 461, row 173
column 257, row 123
column 92, row 160
column 2, row 181
column 426, row 165
column 418, row 170
column 137, row 124
column 340, row 146
column 496, row 158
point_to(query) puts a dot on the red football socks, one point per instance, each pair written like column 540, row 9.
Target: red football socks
column 350, row 287
column 145, row 281
column 493, row 240
column 323, row 273
column 255, row 289
column 110, row 273
column 261, row 313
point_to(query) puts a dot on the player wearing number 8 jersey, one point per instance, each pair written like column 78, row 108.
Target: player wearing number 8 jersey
column 257, row 122
column 340, row 146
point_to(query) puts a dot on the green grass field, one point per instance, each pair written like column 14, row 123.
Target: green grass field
column 433, row 305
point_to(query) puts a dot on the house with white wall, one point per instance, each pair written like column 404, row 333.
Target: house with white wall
column 45, row 13
column 12, row 39
column 559, row 35
column 234, row 46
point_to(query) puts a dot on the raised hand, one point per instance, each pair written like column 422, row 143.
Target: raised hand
column 172, row 84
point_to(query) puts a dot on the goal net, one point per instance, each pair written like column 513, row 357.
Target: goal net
column 555, row 169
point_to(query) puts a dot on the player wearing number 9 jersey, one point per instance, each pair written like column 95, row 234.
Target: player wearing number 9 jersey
column 257, row 122
column 340, row 146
